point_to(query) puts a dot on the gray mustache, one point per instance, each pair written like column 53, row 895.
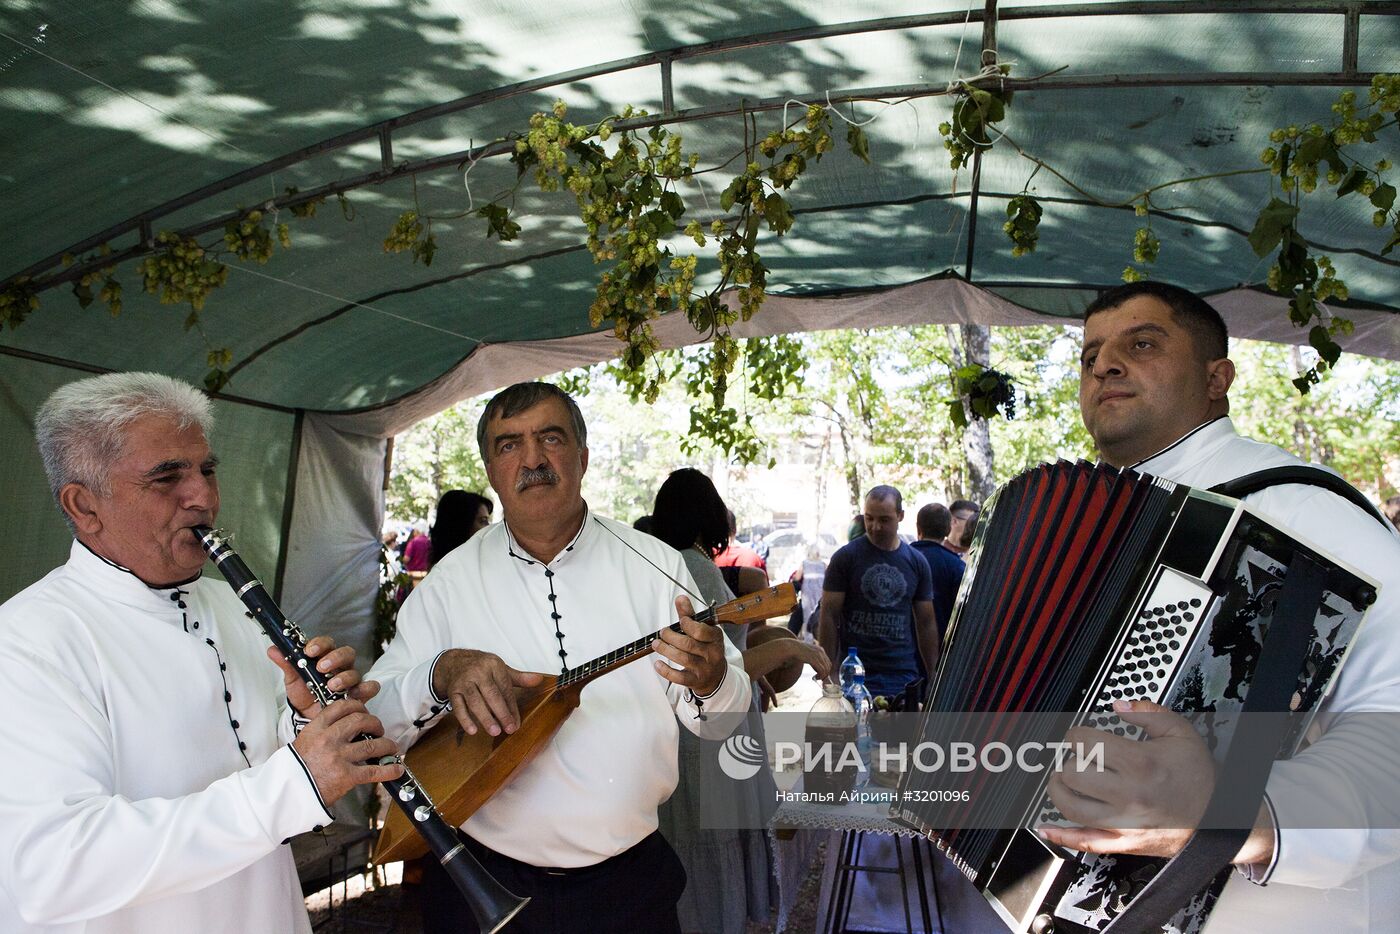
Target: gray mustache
column 534, row 476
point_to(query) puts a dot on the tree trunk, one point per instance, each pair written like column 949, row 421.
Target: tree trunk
column 1303, row 435
column 439, row 469
column 977, row 437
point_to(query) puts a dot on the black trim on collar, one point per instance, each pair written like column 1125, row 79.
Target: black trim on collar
column 126, row 570
column 532, row 560
column 1177, row 442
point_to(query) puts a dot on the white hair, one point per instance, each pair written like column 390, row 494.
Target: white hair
column 81, row 428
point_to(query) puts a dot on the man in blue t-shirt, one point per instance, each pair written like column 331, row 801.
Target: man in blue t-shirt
column 934, row 522
column 878, row 598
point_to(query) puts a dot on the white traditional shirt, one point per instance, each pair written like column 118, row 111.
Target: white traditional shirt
column 145, row 787
column 592, row 792
column 1332, row 880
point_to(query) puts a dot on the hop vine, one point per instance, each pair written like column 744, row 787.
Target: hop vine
column 1023, row 224
column 17, row 300
column 180, row 270
column 975, row 112
column 1299, row 158
column 414, row 234
column 627, row 185
column 248, row 238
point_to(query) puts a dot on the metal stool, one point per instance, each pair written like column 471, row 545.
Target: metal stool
column 844, row 881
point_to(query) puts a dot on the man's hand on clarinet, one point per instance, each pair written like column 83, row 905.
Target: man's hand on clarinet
column 482, row 689
column 342, row 746
column 337, row 664
column 698, row 649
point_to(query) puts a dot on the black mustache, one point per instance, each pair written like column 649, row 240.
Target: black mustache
column 534, row 476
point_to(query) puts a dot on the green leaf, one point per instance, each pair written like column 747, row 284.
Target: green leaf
column 1322, row 342
column 1384, row 197
column 1303, row 384
column 672, row 204
column 1391, row 244
column 424, row 249
column 215, row 380
column 957, row 414
column 751, row 232
column 1270, row 225
column 777, row 213
column 860, row 146
column 1352, row 182
column 1314, row 149
column 588, row 153
column 1302, row 308
column 661, row 222
column 524, row 161
column 498, row 222
column 727, row 199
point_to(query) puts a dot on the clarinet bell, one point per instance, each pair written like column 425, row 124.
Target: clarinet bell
column 492, row 904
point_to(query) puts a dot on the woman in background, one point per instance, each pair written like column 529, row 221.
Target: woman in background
column 460, row 515
column 730, row 872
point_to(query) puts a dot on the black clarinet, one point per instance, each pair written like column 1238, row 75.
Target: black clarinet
column 491, row 903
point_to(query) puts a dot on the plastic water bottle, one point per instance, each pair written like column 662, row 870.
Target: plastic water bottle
column 851, row 668
column 863, row 703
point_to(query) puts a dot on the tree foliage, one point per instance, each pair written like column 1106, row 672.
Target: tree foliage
column 872, row 408
column 436, row 455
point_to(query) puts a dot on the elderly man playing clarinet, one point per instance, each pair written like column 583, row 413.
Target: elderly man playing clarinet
column 156, row 760
column 552, row 587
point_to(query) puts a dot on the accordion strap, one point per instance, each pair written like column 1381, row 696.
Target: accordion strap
column 1240, row 487
column 1245, row 771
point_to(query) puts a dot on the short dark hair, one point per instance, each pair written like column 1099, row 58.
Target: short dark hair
column 454, row 521
column 1391, row 508
column 885, row 491
column 934, row 521
column 1192, row 312
column 689, row 511
column 969, row 530
column 513, row 400
column 964, row 505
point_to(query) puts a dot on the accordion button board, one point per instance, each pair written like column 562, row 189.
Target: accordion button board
column 1146, row 661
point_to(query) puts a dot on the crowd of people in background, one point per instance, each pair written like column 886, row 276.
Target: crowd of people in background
column 944, row 536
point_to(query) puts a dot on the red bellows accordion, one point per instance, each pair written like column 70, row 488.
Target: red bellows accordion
column 1088, row 584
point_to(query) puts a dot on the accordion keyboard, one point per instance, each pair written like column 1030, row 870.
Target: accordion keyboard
column 1147, row 660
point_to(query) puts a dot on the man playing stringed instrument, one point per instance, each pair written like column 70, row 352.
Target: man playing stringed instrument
column 555, row 585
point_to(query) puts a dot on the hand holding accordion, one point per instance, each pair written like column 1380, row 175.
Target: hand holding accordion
column 1151, row 794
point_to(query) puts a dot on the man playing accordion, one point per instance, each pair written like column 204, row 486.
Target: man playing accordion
column 1154, row 384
